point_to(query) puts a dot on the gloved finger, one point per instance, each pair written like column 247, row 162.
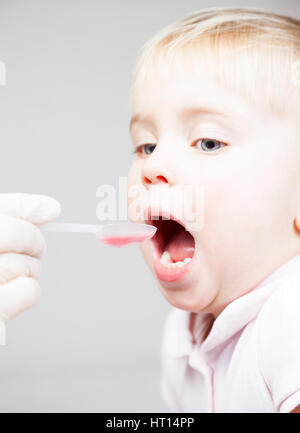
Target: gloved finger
column 20, row 236
column 18, row 295
column 14, row 265
column 37, row 209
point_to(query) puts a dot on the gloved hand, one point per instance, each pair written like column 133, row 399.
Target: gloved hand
column 22, row 246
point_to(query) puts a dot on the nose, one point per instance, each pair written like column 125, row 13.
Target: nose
column 157, row 172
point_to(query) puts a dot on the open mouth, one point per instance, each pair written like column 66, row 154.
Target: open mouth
column 174, row 246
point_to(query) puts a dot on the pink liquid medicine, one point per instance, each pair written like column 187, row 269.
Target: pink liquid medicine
column 120, row 241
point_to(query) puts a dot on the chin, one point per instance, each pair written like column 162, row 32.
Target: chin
column 188, row 299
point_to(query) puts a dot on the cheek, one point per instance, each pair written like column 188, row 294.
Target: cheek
column 242, row 206
column 234, row 204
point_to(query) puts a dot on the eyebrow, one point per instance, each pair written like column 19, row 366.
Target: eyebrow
column 186, row 112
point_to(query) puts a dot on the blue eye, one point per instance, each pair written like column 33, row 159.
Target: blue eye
column 147, row 150
column 209, row 144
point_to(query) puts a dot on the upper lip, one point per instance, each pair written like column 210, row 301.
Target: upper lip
column 152, row 211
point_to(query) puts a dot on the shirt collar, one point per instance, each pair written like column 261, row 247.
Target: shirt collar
column 231, row 320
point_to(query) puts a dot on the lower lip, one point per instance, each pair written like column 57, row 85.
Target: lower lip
column 167, row 274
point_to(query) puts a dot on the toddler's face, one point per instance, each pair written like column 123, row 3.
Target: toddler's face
column 249, row 170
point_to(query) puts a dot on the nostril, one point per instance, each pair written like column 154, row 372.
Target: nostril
column 162, row 178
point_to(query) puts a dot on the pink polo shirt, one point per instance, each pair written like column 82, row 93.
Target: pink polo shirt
column 249, row 362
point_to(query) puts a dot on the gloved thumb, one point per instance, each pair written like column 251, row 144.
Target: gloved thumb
column 37, row 209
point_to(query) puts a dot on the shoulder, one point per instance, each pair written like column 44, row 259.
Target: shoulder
column 278, row 339
column 281, row 311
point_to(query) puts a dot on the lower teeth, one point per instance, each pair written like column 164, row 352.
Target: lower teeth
column 167, row 261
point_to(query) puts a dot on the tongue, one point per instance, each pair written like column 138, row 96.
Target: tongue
column 181, row 246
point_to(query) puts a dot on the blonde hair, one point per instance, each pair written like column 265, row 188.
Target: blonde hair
column 257, row 52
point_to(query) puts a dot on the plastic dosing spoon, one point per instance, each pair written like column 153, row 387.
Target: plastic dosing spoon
column 116, row 234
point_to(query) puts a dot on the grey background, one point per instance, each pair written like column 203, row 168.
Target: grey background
column 92, row 342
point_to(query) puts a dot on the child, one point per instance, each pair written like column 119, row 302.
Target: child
column 215, row 101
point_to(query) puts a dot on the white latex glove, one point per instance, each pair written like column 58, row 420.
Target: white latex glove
column 22, row 245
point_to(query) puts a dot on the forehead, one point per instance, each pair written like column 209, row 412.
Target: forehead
column 180, row 79
column 244, row 78
column 165, row 89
